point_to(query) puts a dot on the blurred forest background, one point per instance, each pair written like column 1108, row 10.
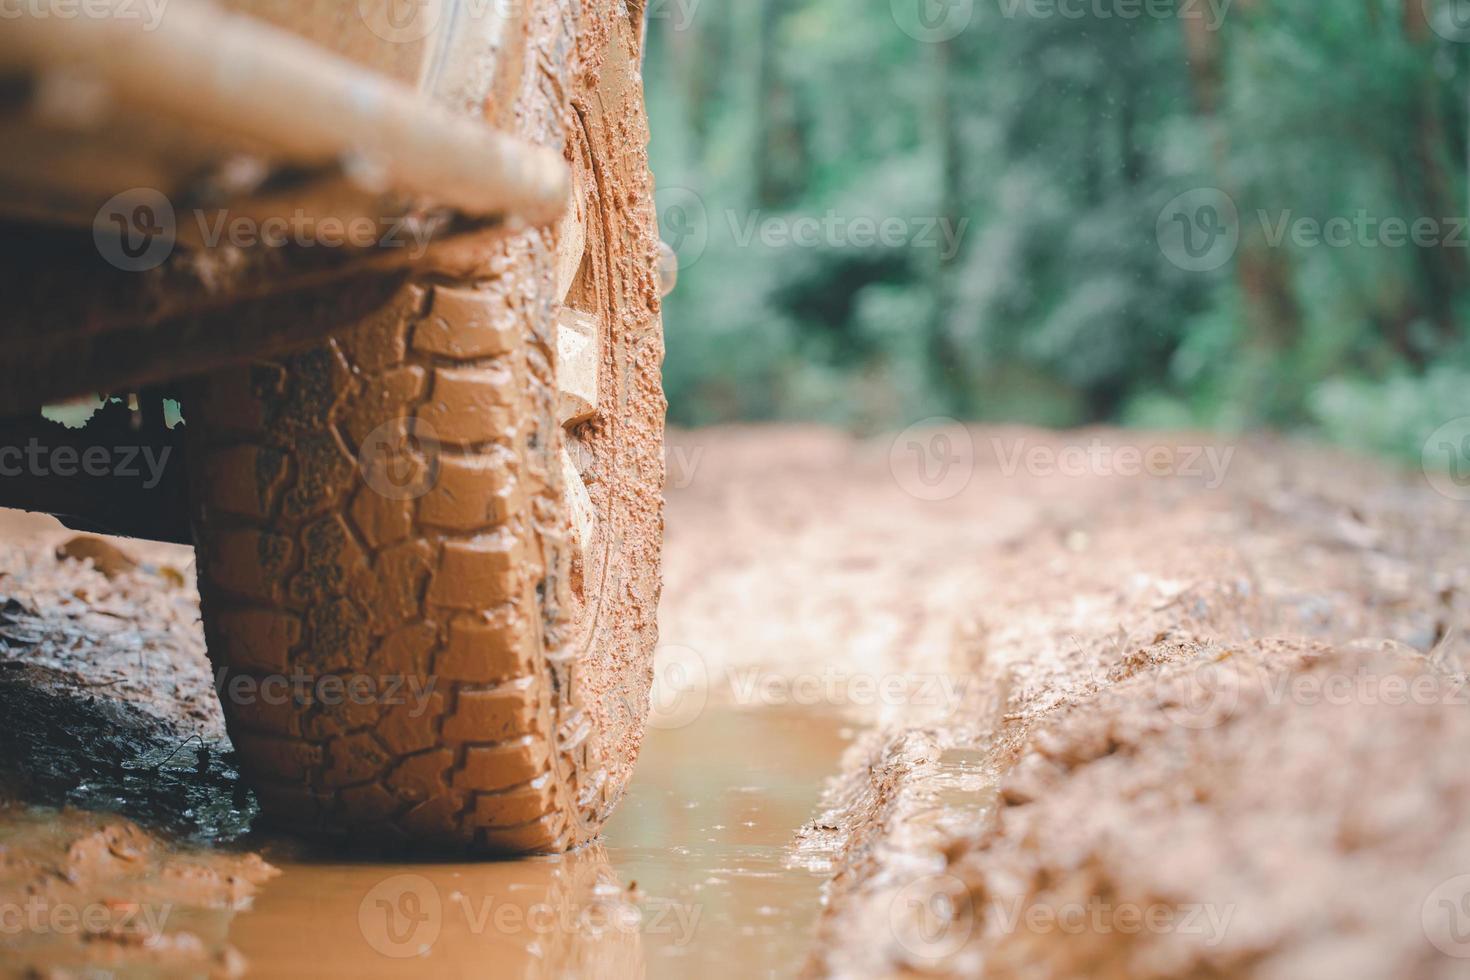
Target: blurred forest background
column 1059, row 131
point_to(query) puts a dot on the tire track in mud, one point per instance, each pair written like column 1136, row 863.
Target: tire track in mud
column 907, row 794
column 1107, row 717
column 808, row 576
column 1105, row 631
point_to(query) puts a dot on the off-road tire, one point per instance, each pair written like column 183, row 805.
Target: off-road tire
column 397, row 508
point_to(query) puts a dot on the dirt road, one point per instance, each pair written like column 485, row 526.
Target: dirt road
column 999, row 700
column 1204, row 722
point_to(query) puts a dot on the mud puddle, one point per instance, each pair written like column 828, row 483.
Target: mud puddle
column 692, row 879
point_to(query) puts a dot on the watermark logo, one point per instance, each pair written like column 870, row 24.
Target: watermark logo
column 1199, row 231
column 1203, row 695
column 1445, row 916
column 932, row 21
column 933, row 460
column 1450, row 19
column 401, row 916
column 683, row 223
column 932, row 918
column 400, row 459
column 1446, row 459
column 136, row 231
column 681, row 685
column 400, row 21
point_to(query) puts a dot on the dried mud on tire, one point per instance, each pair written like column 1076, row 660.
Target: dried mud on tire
column 390, row 509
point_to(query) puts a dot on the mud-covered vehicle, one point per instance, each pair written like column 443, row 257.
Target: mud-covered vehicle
column 397, row 262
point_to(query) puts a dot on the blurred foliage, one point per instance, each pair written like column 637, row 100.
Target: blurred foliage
column 1058, row 141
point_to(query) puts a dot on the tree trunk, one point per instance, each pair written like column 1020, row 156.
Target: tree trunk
column 1263, row 274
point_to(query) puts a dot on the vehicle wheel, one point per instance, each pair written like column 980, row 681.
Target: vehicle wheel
column 429, row 547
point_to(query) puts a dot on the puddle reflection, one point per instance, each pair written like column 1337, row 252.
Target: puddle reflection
column 692, row 879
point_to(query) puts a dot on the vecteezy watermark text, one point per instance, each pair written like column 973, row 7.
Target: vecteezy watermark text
column 1208, row 692
column 1208, row 464
column 150, row 12
column 300, row 688
column 404, row 915
column 833, row 230
column 411, row 21
column 1201, row 230
column 41, row 916
column 1212, row 12
column 145, row 463
column 138, row 230
column 683, row 686
column 933, row 917
column 686, row 226
column 836, row 688
column 303, row 230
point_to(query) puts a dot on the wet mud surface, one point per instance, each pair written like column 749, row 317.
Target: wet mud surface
column 130, row 847
column 1045, row 724
column 1203, row 722
column 692, row 878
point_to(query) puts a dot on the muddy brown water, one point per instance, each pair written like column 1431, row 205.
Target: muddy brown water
column 693, row 879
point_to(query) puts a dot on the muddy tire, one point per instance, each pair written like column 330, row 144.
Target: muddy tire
column 428, row 548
